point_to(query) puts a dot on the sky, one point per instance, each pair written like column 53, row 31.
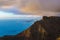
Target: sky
column 34, row 7
column 11, row 15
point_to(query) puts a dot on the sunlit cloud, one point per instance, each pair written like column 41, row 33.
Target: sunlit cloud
column 33, row 7
column 41, row 7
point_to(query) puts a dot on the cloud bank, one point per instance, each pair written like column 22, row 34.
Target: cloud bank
column 35, row 7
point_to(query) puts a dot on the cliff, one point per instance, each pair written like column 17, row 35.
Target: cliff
column 46, row 29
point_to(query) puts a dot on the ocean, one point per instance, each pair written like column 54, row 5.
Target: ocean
column 14, row 26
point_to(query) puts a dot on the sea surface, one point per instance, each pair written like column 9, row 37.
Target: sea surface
column 14, row 26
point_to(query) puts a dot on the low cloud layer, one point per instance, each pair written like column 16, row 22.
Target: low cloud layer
column 36, row 7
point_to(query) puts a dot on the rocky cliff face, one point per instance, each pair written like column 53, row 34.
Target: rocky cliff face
column 46, row 29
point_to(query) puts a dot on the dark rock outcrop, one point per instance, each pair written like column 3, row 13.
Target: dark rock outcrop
column 46, row 29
